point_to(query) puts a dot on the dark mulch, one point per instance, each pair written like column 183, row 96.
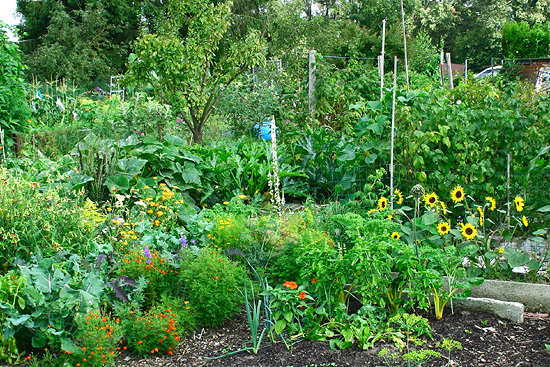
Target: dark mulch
column 487, row 341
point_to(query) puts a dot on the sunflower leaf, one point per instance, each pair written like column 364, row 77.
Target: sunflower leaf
column 544, row 209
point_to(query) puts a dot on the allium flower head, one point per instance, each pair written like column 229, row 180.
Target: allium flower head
column 418, row 191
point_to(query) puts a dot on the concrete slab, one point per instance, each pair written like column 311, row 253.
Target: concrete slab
column 507, row 310
column 535, row 297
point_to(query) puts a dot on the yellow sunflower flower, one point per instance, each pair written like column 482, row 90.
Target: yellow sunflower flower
column 382, row 203
column 524, row 221
column 396, row 235
column 520, row 203
column 399, row 196
column 443, row 207
column 457, row 195
column 443, row 228
column 468, row 231
column 492, row 202
column 431, row 199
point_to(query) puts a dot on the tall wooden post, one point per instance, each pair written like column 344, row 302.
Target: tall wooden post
column 392, row 128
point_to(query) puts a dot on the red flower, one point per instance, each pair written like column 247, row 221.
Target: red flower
column 302, row 295
column 314, row 280
column 291, row 285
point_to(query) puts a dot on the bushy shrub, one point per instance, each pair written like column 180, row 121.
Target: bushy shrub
column 96, row 342
column 158, row 330
column 38, row 219
column 212, row 284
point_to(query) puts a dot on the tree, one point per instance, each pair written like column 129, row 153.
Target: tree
column 81, row 39
column 76, row 50
column 521, row 41
column 184, row 63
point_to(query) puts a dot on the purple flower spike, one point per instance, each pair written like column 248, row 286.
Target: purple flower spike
column 147, row 254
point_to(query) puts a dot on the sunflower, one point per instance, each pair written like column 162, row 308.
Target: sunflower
column 399, row 196
column 491, row 201
column 524, row 221
column 468, row 231
column 382, row 203
column 395, row 235
column 443, row 207
column 457, row 194
column 481, row 216
column 519, row 203
column 443, row 228
column 431, row 199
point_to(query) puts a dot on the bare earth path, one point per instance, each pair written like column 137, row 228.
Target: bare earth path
column 487, row 341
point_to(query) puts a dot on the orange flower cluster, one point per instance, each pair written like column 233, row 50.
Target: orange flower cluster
column 291, row 285
column 135, row 264
column 159, row 205
column 97, row 341
column 159, row 333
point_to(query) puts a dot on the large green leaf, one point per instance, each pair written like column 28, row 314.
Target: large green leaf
column 131, row 166
column 77, row 180
column 190, row 174
column 119, row 182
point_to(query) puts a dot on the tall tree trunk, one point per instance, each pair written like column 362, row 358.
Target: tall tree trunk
column 197, row 135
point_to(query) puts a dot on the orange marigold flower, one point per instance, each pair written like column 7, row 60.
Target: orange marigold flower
column 302, row 295
column 291, row 285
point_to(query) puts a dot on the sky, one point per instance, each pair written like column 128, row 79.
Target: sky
column 7, row 10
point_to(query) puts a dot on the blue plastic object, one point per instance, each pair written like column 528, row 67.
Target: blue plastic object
column 263, row 131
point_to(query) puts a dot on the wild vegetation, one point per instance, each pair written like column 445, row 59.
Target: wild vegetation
column 127, row 221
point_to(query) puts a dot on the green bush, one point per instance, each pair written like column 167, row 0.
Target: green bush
column 41, row 220
column 96, row 342
column 520, row 41
column 212, row 284
column 158, row 330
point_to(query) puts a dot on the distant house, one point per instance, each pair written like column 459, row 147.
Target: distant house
column 535, row 70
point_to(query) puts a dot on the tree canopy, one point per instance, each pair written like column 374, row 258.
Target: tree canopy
column 85, row 40
column 184, row 63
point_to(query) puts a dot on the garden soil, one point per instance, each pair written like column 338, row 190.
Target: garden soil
column 487, row 341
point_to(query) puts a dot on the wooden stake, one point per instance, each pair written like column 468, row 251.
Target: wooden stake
column 450, row 70
column 405, row 45
column 441, row 74
column 392, row 128
column 381, row 59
